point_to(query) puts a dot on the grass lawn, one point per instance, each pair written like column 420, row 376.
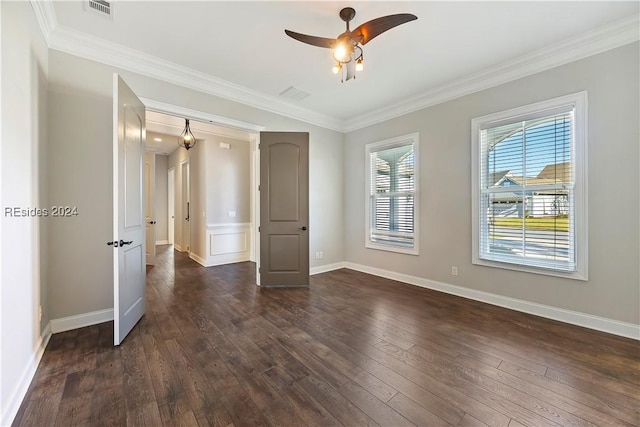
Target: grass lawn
column 549, row 224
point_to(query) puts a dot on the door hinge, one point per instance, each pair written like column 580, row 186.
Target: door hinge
column 258, row 230
column 259, row 270
column 259, row 146
column 258, row 187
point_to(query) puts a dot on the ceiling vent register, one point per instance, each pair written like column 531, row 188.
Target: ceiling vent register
column 100, row 6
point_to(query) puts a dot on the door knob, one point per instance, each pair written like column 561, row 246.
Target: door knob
column 114, row 243
column 122, row 242
column 303, row 228
column 152, row 222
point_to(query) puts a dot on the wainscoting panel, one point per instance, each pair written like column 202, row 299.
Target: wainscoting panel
column 227, row 243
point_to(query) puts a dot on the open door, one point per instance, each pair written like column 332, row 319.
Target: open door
column 150, row 206
column 129, row 275
column 284, row 209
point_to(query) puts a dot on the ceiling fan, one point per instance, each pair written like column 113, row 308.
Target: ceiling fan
column 347, row 51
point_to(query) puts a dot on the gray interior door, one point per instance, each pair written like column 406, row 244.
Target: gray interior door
column 284, row 209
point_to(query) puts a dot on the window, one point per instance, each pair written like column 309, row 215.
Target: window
column 529, row 188
column 392, row 193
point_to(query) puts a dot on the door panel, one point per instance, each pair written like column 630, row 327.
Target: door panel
column 284, row 209
column 150, row 208
column 128, row 210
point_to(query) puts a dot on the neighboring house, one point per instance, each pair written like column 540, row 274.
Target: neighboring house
column 531, row 203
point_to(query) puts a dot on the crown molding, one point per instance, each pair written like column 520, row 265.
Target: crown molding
column 46, row 17
column 601, row 39
column 96, row 49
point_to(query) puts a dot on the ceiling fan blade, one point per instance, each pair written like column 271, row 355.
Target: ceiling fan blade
column 312, row 40
column 375, row 27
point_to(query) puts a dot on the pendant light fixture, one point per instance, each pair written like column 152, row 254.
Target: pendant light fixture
column 186, row 138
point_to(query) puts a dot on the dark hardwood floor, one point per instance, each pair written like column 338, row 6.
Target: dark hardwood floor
column 353, row 349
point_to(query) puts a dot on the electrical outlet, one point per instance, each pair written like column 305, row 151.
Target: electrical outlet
column 454, row 270
column 319, row 255
column 232, row 214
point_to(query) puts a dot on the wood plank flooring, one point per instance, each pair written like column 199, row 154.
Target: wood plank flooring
column 353, row 349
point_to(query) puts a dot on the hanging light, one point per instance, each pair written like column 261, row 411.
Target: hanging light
column 186, row 138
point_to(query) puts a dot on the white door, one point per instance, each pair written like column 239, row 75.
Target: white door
column 129, row 275
column 186, row 208
column 150, row 206
column 171, row 198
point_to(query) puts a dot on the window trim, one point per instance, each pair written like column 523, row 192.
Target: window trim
column 579, row 154
column 412, row 138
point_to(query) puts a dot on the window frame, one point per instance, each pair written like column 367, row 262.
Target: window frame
column 410, row 139
column 579, row 162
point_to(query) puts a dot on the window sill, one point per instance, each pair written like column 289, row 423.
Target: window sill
column 406, row 251
column 574, row 275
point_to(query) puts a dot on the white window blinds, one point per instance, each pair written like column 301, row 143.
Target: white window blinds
column 392, row 194
column 529, row 187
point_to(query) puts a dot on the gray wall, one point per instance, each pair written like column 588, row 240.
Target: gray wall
column 162, row 225
column 228, row 187
column 81, row 173
column 611, row 79
column 23, row 184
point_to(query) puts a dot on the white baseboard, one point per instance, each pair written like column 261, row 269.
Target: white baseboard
column 219, row 259
column 81, row 320
column 198, row 259
column 326, row 268
column 162, row 242
column 16, row 398
column 603, row 324
column 177, row 247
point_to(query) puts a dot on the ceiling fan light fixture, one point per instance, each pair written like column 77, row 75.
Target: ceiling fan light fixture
column 359, row 64
column 346, row 48
column 186, row 138
column 342, row 53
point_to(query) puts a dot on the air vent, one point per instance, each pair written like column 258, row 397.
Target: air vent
column 294, row 94
column 100, row 6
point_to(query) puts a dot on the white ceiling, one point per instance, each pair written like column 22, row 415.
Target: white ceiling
column 244, row 45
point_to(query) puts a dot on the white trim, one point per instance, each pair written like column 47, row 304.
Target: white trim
column 404, row 140
column 46, row 17
column 579, row 169
column 119, row 56
column 607, row 37
column 16, row 397
column 326, row 268
column 188, row 113
column 81, row 320
column 597, row 323
column 162, row 242
column 198, row 259
column 224, row 225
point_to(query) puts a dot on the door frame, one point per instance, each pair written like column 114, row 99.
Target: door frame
column 251, row 128
column 185, row 203
column 171, row 209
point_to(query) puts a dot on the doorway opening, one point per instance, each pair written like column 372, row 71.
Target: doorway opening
column 212, row 189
